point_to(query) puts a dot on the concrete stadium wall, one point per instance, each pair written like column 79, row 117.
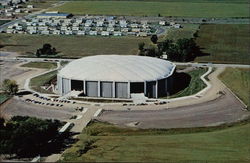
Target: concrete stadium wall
column 108, row 89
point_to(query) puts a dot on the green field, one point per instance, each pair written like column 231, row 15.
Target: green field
column 238, row 80
column 187, row 31
column 43, row 65
column 224, row 43
column 137, row 8
column 101, row 142
column 37, row 82
column 72, row 46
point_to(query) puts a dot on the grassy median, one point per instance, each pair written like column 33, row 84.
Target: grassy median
column 43, row 65
column 37, row 82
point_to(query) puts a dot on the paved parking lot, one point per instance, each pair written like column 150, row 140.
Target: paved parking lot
column 225, row 109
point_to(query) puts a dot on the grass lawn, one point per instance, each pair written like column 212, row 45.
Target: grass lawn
column 187, row 31
column 72, row 46
column 101, row 142
column 44, row 65
column 238, row 80
column 196, row 84
column 139, row 8
column 42, row 4
column 3, row 97
column 228, row 43
column 37, row 82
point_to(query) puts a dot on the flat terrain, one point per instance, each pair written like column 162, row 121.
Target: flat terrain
column 16, row 107
column 9, row 70
column 187, row 31
column 44, row 65
column 101, row 142
column 72, row 46
column 139, row 8
column 222, row 110
column 238, row 80
column 224, row 43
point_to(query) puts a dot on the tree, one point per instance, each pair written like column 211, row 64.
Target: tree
column 38, row 53
column 154, row 39
column 141, row 48
column 186, row 48
column 151, row 51
column 10, row 86
column 47, row 49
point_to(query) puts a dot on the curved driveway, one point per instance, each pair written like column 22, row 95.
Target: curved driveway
column 224, row 109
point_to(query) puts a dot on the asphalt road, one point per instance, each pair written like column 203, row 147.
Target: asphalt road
column 5, row 56
column 225, row 109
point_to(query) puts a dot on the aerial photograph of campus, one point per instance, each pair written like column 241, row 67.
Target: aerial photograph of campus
column 125, row 81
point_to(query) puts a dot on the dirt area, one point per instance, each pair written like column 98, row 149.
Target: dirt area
column 12, row 70
column 225, row 109
column 9, row 70
column 16, row 106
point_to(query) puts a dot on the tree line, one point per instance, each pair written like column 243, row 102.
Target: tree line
column 182, row 50
column 27, row 136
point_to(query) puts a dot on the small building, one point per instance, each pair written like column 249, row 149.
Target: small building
column 135, row 29
column 75, row 28
column 93, row 33
column 88, row 23
column 99, row 23
column 177, row 26
column 30, row 6
column 142, row 34
column 80, row 32
column 117, row 33
column 162, row 23
column 123, row 23
column 110, row 29
column 105, row 33
column 124, row 29
column 56, row 32
column 45, row 32
column 68, row 32
column 134, row 25
column 32, row 31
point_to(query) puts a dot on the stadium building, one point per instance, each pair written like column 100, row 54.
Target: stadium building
column 116, row 76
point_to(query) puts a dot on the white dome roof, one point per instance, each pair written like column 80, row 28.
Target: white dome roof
column 117, row 68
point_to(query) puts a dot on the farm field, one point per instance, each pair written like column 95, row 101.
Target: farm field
column 139, row 8
column 43, row 65
column 224, row 43
column 238, row 80
column 101, row 142
column 187, row 31
column 72, row 46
